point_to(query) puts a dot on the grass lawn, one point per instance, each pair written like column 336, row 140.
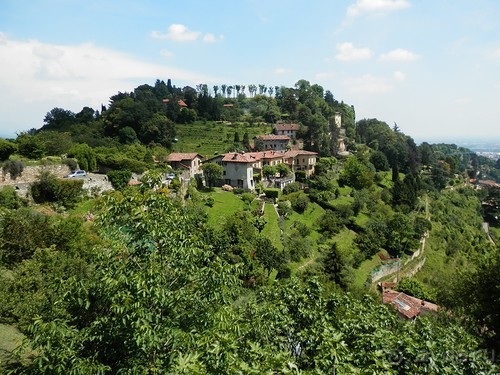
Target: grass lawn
column 213, row 137
column 363, row 271
column 225, row 204
column 272, row 229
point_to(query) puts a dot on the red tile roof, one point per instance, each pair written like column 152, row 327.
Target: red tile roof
column 273, row 137
column 235, row 157
column 406, row 305
column 295, row 153
column 287, row 127
column 267, row 154
column 180, row 156
column 181, row 102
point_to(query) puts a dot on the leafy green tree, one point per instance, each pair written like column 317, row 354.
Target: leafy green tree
column 159, row 129
column 7, row 148
column 119, row 178
column 49, row 188
column 213, row 173
column 22, row 232
column 357, row 174
column 58, row 119
column 336, row 265
column 86, row 156
column 30, row 146
column 269, row 171
column 127, row 135
column 9, row 198
column 415, row 288
column 283, row 170
column 56, row 143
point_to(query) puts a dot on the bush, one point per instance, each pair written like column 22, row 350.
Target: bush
column 300, row 176
column 272, row 193
column 119, row 179
column 48, row 188
column 71, row 163
column 291, row 188
column 299, row 201
column 14, row 167
column 9, row 198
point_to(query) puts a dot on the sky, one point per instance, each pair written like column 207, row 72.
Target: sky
column 430, row 66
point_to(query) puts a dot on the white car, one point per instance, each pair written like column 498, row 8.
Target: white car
column 77, row 173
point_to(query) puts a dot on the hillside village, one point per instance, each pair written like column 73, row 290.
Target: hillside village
column 208, row 223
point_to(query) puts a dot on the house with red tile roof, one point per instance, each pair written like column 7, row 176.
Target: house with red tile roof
column 408, row 307
column 238, row 169
column 187, row 162
column 274, row 142
column 301, row 160
column 287, row 129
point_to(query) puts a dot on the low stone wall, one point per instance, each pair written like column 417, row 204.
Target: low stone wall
column 30, row 174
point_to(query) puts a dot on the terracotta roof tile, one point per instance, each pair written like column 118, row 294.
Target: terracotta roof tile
column 273, row 137
column 287, row 127
column 406, row 305
column 179, row 156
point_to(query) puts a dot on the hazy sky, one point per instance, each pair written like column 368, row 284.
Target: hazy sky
column 431, row 66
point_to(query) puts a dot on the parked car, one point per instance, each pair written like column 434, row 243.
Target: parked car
column 77, row 173
column 170, row 176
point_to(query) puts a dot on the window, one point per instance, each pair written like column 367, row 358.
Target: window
column 227, row 181
column 240, row 184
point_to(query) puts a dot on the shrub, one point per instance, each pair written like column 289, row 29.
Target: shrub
column 119, row 179
column 71, row 163
column 272, row 193
column 300, row 176
column 291, row 188
column 14, row 167
column 9, row 198
column 299, row 201
column 48, row 188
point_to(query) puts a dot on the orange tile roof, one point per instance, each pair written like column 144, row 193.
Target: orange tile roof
column 273, row 137
column 267, row 154
column 287, row 127
column 180, row 156
column 406, row 305
column 235, row 157
column 295, row 153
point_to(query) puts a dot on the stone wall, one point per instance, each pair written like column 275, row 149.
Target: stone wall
column 30, row 174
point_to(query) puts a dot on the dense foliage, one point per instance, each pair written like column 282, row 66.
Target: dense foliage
column 161, row 279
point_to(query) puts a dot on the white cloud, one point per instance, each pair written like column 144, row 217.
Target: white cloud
column 36, row 77
column 324, row 75
column 399, row 54
column 177, row 33
column 347, row 52
column 167, row 54
column 376, row 6
column 209, row 38
column 281, row 71
column 368, row 84
column 399, row 76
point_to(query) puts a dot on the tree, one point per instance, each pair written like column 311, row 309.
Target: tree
column 213, row 173
column 119, row 178
column 159, row 129
column 7, row 148
column 269, row 171
column 283, row 170
column 357, row 174
column 30, row 146
column 85, row 155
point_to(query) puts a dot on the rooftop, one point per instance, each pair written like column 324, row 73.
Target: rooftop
column 179, row 156
column 406, row 305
